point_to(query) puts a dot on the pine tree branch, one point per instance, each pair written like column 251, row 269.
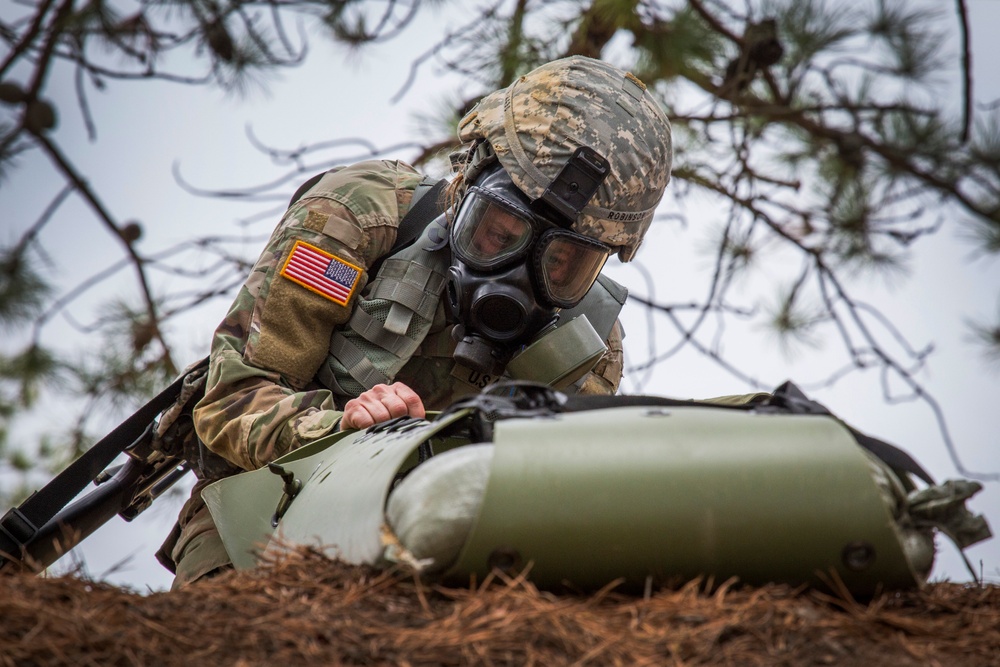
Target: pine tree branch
column 60, row 303
column 688, row 333
column 714, row 355
column 892, row 156
column 508, row 54
column 83, row 104
column 888, row 363
column 24, row 44
column 105, row 217
column 963, row 27
column 29, row 236
column 44, row 60
column 594, row 30
column 714, row 23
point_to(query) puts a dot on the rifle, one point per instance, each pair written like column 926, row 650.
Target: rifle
column 36, row 533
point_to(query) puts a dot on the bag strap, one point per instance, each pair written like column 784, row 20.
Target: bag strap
column 789, row 398
column 305, row 187
column 425, row 208
column 20, row 524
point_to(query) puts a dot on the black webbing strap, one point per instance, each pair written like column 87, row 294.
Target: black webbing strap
column 305, row 188
column 410, row 227
column 420, row 215
column 583, row 402
column 20, row 524
column 789, row 398
column 893, row 456
column 414, row 222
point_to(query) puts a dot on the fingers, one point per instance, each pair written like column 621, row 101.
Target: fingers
column 381, row 403
column 414, row 405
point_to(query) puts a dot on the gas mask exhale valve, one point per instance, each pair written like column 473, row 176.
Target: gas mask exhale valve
column 498, row 314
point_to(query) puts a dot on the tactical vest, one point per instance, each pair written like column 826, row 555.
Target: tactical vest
column 396, row 312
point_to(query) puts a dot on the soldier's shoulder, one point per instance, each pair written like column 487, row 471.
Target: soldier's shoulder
column 373, row 174
column 369, row 187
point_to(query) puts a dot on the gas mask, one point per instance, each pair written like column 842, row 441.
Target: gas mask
column 512, row 270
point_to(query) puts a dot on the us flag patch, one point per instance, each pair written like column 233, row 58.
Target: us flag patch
column 321, row 272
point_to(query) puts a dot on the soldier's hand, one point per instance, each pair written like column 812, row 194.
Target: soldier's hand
column 381, row 403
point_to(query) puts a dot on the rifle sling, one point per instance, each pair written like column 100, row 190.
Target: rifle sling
column 20, row 524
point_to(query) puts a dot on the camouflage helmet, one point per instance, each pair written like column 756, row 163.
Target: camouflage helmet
column 535, row 125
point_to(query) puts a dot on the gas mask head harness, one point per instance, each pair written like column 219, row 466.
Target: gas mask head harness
column 515, row 262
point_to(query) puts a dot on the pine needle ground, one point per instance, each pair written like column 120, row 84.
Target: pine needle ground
column 307, row 609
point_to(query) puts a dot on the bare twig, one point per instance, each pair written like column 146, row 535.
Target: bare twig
column 963, row 29
column 105, row 217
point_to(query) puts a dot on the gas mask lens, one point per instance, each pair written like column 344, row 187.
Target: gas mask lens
column 489, row 231
column 492, row 233
column 567, row 265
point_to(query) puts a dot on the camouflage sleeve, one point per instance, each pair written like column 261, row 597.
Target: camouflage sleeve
column 277, row 332
column 607, row 374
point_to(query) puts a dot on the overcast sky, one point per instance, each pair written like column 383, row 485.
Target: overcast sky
column 144, row 129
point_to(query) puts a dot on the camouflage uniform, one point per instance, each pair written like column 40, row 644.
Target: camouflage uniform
column 261, row 399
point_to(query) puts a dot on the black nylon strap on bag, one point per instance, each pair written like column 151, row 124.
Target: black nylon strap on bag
column 20, row 524
column 420, row 215
column 790, row 398
column 410, row 227
column 583, row 402
column 414, row 222
column 305, row 188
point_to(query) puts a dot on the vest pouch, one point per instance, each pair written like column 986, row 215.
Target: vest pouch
column 560, row 356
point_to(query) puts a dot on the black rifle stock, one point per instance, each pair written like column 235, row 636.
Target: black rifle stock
column 126, row 490
column 50, row 522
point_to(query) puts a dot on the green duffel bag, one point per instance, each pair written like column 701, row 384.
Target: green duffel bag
column 583, row 492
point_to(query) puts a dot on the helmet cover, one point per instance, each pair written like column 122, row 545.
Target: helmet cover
column 535, row 125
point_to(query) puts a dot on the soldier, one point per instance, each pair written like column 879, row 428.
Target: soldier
column 565, row 167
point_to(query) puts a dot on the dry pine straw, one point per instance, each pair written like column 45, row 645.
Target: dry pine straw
column 310, row 610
